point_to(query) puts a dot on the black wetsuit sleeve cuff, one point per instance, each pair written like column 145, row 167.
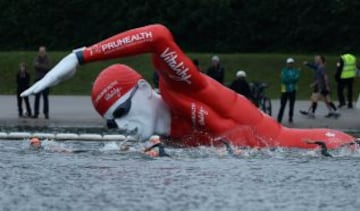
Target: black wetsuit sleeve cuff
column 80, row 56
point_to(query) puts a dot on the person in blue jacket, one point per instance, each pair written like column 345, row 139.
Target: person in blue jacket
column 289, row 77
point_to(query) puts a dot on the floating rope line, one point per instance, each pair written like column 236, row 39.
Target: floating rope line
column 65, row 136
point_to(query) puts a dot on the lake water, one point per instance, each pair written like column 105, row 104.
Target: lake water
column 103, row 178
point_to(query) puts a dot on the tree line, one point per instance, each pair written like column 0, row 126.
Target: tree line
column 197, row 25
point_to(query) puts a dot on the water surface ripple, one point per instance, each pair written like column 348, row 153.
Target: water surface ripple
column 103, row 178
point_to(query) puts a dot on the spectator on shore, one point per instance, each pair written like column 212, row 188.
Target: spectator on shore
column 289, row 77
column 42, row 65
column 216, row 71
column 22, row 83
column 344, row 76
column 240, row 85
column 321, row 88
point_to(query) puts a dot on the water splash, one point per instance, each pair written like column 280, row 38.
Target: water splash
column 194, row 152
column 111, row 146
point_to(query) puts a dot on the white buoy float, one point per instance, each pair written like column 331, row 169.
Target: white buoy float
column 66, row 136
column 44, row 135
column 112, row 137
column 90, row 136
column 3, row 135
column 19, row 135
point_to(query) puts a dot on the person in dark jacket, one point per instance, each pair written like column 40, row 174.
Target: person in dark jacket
column 240, row 85
column 22, row 83
column 289, row 77
column 42, row 65
column 216, row 71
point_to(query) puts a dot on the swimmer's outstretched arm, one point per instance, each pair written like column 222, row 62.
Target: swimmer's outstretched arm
column 324, row 149
column 65, row 69
column 175, row 66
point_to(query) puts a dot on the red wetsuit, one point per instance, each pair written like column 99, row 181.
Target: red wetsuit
column 201, row 108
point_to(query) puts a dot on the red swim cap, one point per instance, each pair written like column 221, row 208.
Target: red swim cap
column 112, row 84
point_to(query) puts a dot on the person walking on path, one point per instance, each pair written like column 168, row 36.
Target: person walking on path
column 22, row 83
column 289, row 77
column 42, row 65
column 321, row 89
column 344, row 76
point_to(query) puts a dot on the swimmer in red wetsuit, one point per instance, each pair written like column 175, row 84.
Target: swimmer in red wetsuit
column 193, row 109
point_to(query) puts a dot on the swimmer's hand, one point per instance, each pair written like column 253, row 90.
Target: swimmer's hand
column 65, row 69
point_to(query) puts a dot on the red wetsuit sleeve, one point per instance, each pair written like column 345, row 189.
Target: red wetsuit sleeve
column 171, row 63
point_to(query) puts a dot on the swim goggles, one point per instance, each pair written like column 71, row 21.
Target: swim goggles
column 121, row 110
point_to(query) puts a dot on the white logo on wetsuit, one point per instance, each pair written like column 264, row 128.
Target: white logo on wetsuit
column 193, row 114
column 330, row 134
column 108, row 95
column 114, row 91
column 200, row 117
column 202, row 114
column 179, row 68
column 142, row 36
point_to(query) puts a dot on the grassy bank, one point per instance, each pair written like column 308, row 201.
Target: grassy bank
column 259, row 67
